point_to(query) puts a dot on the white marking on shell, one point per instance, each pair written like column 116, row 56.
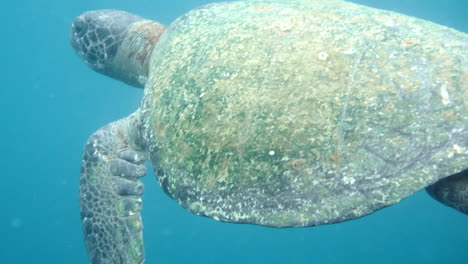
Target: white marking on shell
column 459, row 150
column 323, row 56
column 445, row 95
column 285, row 27
column 348, row 180
column 349, row 51
column 390, row 23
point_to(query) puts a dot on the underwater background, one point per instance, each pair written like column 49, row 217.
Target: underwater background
column 51, row 102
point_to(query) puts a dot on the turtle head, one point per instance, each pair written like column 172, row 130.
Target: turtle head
column 116, row 43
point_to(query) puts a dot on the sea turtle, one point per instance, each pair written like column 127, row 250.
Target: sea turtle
column 278, row 113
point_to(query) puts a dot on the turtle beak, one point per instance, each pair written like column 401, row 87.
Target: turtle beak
column 78, row 30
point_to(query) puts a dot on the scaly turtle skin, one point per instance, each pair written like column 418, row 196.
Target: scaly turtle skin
column 277, row 113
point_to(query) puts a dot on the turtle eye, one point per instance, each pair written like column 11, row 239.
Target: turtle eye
column 79, row 28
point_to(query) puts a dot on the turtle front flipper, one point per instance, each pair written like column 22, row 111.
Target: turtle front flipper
column 452, row 191
column 110, row 194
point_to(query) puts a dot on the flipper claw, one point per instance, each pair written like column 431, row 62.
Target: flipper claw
column 123, row 168
column 133, row 156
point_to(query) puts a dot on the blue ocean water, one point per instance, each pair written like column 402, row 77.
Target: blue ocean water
column 51, row 102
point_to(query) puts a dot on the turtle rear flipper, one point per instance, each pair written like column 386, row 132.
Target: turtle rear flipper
column 110, row 194
column 452, row 191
